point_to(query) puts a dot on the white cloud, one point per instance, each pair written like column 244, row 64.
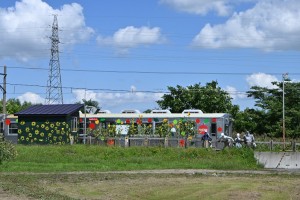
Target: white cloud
column 25, row 28
column 269, row 25
column 262, row 80
column 201, row 7
column 109, row 99
column 234, row 93
column 130, row 37
column 31, row 97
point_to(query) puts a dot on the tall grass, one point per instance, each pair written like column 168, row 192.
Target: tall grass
column 50, row 158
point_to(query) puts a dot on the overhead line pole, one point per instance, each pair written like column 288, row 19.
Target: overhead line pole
column 3, row 88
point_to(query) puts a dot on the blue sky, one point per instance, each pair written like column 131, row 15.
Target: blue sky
column 124, row 54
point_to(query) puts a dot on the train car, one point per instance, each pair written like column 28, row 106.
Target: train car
column 120, row 123
column 213, row 123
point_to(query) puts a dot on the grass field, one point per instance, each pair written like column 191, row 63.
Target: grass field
column 91, row 172
column 97, row 158
column 149, row 186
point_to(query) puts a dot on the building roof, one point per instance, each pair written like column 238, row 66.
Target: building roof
column 52, row 109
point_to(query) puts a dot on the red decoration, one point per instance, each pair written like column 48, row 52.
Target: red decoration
column 110, row 142
column 220, row 129
column 150, row 120
column 202, row 129
column 214, row 120
column 197, row 120
column 139, row 121
column 80, row 120
column 92, row 126
column 7, row 121
column 127, row 121
column 182, row 142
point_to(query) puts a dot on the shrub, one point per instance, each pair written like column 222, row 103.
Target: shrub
column 7, row 151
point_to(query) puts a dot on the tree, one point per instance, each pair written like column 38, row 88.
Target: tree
column 91, row 104
column 14, row 105
column 270, row 101
column 209, row 98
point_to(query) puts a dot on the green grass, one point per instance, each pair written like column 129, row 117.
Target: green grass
column 65, row 158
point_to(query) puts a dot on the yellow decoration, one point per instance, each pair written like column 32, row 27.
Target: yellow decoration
column 97, row 122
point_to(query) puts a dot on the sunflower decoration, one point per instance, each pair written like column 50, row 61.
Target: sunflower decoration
column 47, row 122
column 51, row 125
column 22, row 138
column 22, row 123
column 49, row 134
column 47, row 128
column 19, row 131
column 27, row 129
column 30, row 135
column 43, row 126
column 57, row 123
column 33, row 123
column 42, row 134
column 36, row 132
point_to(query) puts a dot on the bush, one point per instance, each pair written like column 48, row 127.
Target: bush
column 7, row 151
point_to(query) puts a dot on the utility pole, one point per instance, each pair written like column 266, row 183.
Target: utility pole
column 3, row 88
column 284, row 77
column 54, row 87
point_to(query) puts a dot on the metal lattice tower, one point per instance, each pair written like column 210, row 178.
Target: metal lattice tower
column 54, row 87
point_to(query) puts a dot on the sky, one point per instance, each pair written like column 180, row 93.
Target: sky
column 125, row 54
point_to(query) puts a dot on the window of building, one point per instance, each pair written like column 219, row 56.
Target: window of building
column 13, row 129
column 74, row 124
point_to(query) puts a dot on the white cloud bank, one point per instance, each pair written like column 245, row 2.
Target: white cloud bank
column 200, row 7
column 108, row 99
column 26, row 28
column 256, row 79
column 131, row 37
column 234, row 93
column 262, row 80
column 31, row 97
column 269, row 25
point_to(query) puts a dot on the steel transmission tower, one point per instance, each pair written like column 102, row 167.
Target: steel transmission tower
column 54, row 87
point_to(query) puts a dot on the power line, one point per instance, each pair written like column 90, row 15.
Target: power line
column 154, row 72
column 102, row 90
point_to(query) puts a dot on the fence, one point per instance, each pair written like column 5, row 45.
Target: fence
column 186, row 143
column 277, row 146
column 152, row 141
